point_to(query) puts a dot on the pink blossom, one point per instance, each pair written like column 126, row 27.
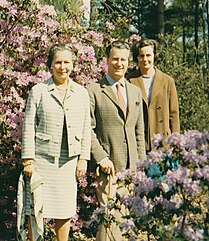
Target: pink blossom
column 109, row 25
column 128, row 225
column 157, row 140
column 96, row 38
column 194, row 235
column 5, row 4
column 156, row 156
column 47, row 10
column 134, row 38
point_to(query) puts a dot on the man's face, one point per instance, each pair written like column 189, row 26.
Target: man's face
column 146, row 58
column 117, row 63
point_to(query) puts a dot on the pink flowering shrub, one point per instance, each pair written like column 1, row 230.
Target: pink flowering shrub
column 168, row 195
column 27, row 30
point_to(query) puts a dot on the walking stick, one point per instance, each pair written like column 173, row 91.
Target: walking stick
column 109, row 194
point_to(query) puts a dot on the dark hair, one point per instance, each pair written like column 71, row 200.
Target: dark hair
column 58, row 47
column 143, row 43
column 116, row 44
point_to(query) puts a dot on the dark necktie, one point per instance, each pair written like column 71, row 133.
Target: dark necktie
column 121, row 99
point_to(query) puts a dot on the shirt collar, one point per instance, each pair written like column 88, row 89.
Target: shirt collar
column 113, row 82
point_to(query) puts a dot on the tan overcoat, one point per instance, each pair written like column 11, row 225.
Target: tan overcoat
column 162, row 114
column 113, row 135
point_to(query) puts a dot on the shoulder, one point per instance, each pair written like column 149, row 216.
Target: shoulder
column 78, row 87
column 135, row 81
column 37, row 89
column 130, row 84
column 43, row 84
column 80, row 90
column 93, row 86
column 133, row 88
column 163, row 75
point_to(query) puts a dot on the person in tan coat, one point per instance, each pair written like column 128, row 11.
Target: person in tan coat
column 117, row 128
column 160, row 100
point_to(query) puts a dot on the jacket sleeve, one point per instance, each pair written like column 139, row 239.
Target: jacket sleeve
column 173, row 109
column 140, row 139
column 29, row 125
column 97, row 151
column 86, row 138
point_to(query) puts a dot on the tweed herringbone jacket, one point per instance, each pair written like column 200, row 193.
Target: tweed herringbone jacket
column 44, row 118
column 113, row 135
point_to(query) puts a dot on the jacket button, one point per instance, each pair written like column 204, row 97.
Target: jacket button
column 159, row 108
column 161, row 121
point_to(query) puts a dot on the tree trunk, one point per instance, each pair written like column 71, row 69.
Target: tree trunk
column 184, row 42
column 207, row 20
column 160, row 14
column 139, row 12
column 196, row 28
column 205, row 44
column 93, row 14
column 86, row 4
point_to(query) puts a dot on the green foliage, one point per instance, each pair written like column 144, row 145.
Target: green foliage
column 191, row 83
column 10, row 170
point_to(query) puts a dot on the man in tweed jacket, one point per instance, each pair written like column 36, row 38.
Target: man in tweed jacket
column 117, row 137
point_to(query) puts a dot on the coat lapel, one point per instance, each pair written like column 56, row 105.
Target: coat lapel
column 143, row 91
column 157, row 86
column 139, row 82
column 53, row 90
column 71, row 89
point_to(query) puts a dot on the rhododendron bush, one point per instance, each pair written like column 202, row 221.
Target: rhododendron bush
column 168, row 196
column 27, row 31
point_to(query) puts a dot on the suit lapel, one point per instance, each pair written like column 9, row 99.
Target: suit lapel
column 107, row 89
column 131, row 101
column 71, row 89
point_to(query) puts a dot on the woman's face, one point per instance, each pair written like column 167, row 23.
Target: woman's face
column 61, row 66
column 146, row 58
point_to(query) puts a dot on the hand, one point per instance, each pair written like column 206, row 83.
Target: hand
column 29, row 169
column 107, row 166
column 81, row 168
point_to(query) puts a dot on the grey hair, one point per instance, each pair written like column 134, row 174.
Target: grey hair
column 59, row 47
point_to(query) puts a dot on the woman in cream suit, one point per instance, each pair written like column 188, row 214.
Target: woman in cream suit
column 57, row 137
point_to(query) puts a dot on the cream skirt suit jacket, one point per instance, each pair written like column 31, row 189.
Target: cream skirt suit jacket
column 49, row 121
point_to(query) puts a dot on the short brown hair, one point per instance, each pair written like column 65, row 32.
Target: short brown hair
column 116, row 44
column 58, row 47
column 143, row 43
